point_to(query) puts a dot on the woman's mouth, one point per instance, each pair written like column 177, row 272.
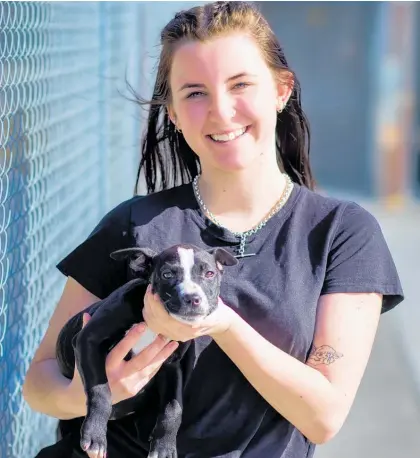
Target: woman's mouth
column 228, row 136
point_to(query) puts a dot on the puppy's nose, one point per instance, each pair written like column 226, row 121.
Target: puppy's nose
column 193, row 300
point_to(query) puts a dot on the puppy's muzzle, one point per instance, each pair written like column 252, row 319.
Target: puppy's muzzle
column 191, row 300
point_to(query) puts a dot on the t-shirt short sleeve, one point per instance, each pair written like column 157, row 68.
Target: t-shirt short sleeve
column 359, row 259
column 90, row 263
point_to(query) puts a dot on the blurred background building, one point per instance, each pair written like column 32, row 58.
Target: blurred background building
column 69, row 149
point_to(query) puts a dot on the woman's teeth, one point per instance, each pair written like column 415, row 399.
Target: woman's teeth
column 228, row 137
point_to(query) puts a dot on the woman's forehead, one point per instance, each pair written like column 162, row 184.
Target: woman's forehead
column 220, row 58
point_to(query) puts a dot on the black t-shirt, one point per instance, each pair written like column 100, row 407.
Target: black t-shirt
column 314, row 245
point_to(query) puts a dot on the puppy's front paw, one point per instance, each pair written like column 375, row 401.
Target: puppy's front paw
column 94, row 428
column 93, row 439
column 162, row 449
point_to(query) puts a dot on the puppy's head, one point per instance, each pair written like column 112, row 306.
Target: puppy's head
column 186, row 278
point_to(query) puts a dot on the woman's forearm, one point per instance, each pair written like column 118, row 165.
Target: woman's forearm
column 298, row 392
column 47, row 391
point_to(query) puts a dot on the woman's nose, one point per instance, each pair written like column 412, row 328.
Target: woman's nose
column 222, row 109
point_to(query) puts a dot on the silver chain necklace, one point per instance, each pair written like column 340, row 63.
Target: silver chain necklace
column 243, row 235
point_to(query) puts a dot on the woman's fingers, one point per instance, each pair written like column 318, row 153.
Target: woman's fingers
column 120, row 351
column 152, row 357
column 96, row 454
column 162, row 356
column 85, row 318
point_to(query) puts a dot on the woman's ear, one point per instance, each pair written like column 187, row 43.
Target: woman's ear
column 172, row 115
column 285, row 85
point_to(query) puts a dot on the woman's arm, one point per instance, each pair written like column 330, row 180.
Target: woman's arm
column 48, row 392
column 45, row 389
column 315, row 397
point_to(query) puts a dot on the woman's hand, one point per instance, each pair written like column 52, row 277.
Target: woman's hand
column 160, row 322
column 127, row 378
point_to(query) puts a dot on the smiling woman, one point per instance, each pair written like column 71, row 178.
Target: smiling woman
column 225, row 158
column 228, row 118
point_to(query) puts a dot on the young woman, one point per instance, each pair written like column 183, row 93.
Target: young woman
column 282, row 359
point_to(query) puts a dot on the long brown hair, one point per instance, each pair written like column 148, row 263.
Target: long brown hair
column 167, row 159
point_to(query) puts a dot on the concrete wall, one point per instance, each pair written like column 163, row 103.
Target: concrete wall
column 355, row 61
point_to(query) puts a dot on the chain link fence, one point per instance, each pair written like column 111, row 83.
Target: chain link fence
column 68, row 153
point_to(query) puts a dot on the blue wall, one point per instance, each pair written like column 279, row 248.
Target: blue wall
column 331, row 47
column 415, row 176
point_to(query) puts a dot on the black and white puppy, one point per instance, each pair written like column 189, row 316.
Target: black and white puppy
column 187, row 279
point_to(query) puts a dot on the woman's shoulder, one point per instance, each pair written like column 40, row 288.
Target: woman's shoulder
column 333, row 211
column 148, row 206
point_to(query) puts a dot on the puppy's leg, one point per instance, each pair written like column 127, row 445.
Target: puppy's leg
column 90, row 360
column 115, row 314
column 164, row 434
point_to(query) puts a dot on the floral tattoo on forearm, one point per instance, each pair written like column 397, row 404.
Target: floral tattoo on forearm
column 323, row 355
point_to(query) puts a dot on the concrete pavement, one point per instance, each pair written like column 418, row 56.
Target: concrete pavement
column 385, row 419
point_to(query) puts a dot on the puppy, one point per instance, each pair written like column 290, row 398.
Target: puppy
column 187, row 279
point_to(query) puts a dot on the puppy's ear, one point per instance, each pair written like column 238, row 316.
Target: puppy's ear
column 140, row 258
column 223, row 257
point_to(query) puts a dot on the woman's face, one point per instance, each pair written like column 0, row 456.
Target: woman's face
column 225, row 99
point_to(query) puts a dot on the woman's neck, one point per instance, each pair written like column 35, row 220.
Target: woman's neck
column 241, row 200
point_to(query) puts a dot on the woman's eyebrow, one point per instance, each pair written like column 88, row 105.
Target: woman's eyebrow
column 200, row 85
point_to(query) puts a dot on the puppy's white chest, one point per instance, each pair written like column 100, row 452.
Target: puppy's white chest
column 145, row 339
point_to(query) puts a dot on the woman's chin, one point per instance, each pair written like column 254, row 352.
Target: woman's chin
column 235, row 165
column 236, row 161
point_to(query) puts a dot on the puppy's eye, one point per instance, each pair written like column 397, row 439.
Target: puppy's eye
column 167, row 274
column 209, row 274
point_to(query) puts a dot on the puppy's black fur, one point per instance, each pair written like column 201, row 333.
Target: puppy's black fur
column 186, row 297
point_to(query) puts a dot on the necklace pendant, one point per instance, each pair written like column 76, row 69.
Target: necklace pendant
column 247, row 255
column 241, row 248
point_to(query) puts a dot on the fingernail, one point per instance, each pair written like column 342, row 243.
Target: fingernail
column 140, row 327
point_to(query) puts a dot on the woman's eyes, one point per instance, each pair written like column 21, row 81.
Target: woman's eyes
column 193, row 95
column 241, row 85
